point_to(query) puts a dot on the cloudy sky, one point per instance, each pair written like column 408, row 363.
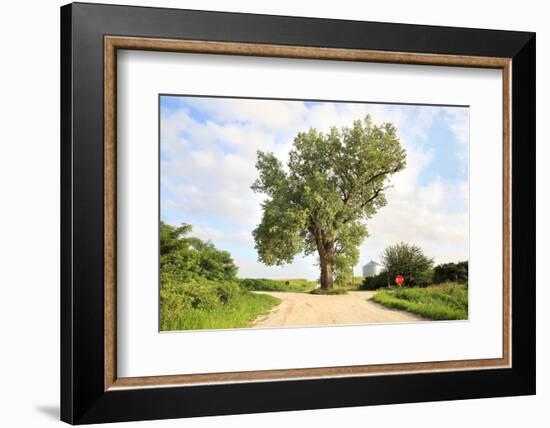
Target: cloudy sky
column 208, row 151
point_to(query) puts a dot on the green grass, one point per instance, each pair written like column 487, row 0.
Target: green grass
column 437, row 302
column 331, row 292
column 236, row 313
column 262, row 284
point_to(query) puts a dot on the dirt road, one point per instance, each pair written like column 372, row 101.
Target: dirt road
column 298, row 309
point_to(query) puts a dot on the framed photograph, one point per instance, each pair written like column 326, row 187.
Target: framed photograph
column 266, row 213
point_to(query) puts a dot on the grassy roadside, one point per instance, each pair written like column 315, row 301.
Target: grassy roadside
column 293, row 285
column 236, row 313
column 438, row 302
column 331, row 292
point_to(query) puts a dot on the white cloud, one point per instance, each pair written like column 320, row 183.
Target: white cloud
column 222, row 237
column 265, row 114
column 302, row 267
column 440, row 234
column 459, row 123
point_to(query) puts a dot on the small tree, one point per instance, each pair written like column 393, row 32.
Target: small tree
column 318, row 204
column 409, row 261
column 453, row 272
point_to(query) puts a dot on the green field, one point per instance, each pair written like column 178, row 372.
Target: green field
column 237, row 312
column 437, row 302
column 298, row 285
column 331, row 292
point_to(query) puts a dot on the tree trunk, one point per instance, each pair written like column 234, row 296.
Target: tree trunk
column 326, row 251
column 326, row 275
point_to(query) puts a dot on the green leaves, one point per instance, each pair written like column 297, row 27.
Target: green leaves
column 170, row 236
column 453, row 272
column 272, row 180
column 188, row 258
column 278, row 238
column 331, row 184
column 409, row 261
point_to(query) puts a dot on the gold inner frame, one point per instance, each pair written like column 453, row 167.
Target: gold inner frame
column 113, row 43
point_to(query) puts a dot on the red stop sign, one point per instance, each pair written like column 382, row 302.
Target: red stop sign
column 399, row 280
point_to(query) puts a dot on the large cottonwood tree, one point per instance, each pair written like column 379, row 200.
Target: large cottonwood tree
column 332, row 183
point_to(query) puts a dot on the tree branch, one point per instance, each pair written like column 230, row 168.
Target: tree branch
column 375, row 195
column 370, row 180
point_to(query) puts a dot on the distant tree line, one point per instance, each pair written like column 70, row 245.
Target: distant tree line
column 451, row 272
column 417, row 269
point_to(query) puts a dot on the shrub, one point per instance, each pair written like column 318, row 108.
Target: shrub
column 448, row 272
column 383, row 279
column 199, row 288
column 409, row 261
column 228, row 291
column 190, row 295
column 342, row 278
column 202, row 295
column 237, row 313
column 179, row 300
column 375, row 282
column 181, row 265
column 261, row 284
column 191, row 259
column 423, row 279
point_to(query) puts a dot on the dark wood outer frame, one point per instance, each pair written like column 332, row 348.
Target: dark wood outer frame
column 86, row 376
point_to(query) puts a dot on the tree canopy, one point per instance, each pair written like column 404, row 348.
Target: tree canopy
column 187, row 258
column 408, row 261
column 319, row 202
column 452, row 272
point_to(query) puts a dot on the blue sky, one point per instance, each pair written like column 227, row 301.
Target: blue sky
column 208, row 150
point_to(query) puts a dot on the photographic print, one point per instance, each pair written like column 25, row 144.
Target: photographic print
column 284, row 213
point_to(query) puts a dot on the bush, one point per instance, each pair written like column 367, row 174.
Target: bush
column 409, row 261
column 237, row 313
column 342, row 278
column 181, row 265
column 228, row 291
column 375, row 282
column 203, row 294
column 261, row 284
column 179, row 298
column 191, row 259
column 199, row 288
column 423, row 279
column 451, row 272
column 383, row 279
column 189, row 295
